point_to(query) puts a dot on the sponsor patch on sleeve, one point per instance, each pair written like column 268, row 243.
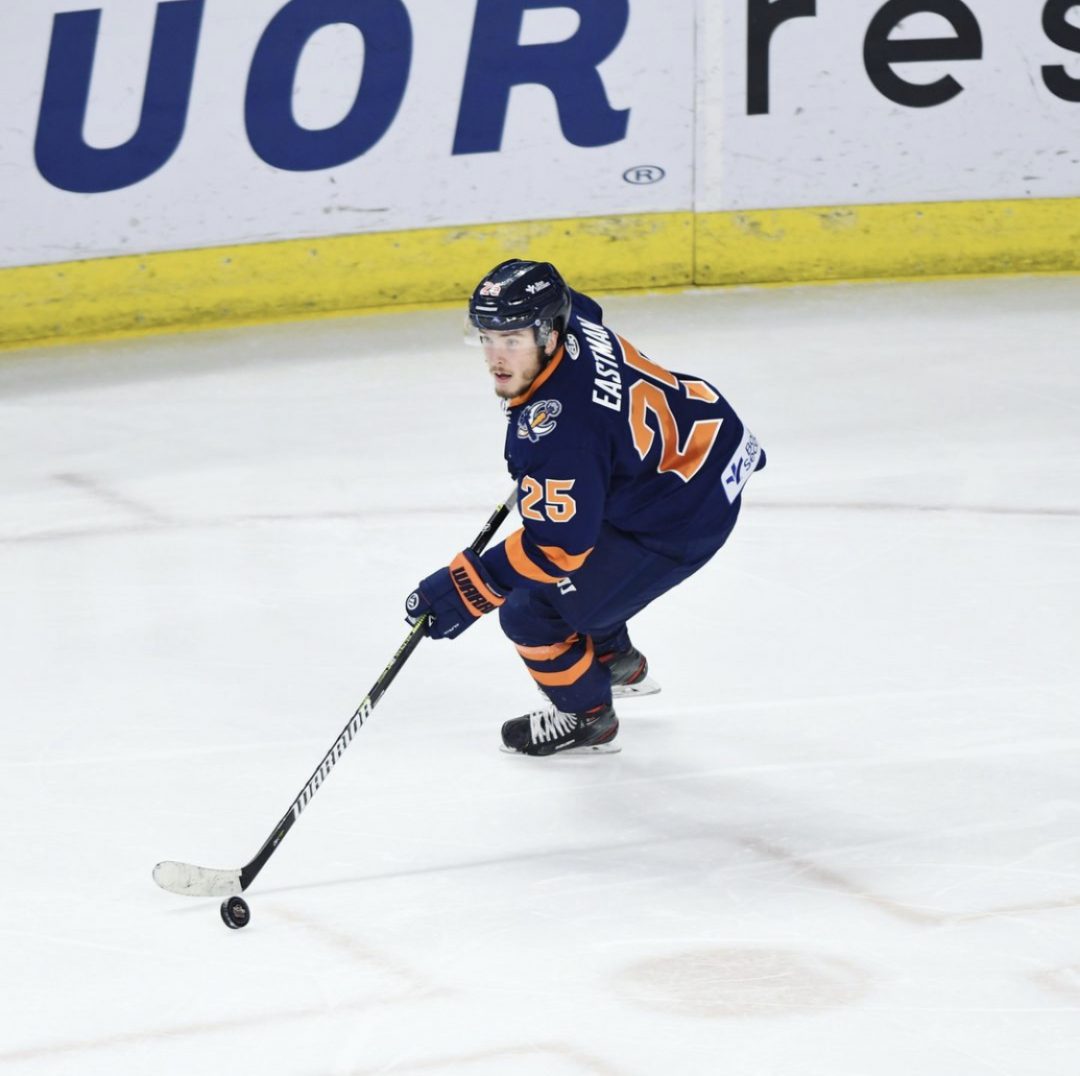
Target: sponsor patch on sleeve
column 741, row 466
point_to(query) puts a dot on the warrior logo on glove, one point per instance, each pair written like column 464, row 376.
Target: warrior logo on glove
column 469, row 590
column 455, row 597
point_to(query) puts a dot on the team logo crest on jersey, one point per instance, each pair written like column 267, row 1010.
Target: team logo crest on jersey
column 538, row 419
column 573, row 348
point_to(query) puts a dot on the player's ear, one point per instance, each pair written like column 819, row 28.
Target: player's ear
column 552, row 343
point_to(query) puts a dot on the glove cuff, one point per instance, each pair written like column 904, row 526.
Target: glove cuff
column 474, row 587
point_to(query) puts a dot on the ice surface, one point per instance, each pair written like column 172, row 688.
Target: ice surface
column 844, row 840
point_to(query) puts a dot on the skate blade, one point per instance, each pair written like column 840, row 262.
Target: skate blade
column 648, row 686
column 612, row 747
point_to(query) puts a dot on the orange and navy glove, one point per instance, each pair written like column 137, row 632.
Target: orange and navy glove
column 454, row 598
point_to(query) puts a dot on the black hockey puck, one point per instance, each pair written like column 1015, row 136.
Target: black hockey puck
column 235, row 913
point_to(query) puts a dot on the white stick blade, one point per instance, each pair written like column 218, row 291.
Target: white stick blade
column 191, row 881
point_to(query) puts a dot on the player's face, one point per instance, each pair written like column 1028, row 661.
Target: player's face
column 513, row 360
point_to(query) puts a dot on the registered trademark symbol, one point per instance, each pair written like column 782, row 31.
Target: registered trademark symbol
column 642, row 174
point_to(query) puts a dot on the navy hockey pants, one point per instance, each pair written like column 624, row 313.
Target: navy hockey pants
column 560, row 633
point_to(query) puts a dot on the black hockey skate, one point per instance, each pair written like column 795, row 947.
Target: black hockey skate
column 629, row 673
column 547, row 731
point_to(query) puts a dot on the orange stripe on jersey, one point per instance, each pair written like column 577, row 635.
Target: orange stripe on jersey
column 643, row 365
column 544, row 375
column 567, row 676
column 520, row 561
column 477, row 596
column 547, row 653
column 699, row 390
column 569, row 562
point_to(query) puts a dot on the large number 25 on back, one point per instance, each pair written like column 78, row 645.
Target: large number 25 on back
column 684, row 457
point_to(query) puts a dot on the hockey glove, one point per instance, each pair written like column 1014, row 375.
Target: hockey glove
column 454, row 598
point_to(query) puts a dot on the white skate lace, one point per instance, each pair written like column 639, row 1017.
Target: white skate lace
column 549, row 724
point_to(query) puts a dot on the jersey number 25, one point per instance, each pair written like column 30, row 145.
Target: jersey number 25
column 558, row 505
column 647, row 398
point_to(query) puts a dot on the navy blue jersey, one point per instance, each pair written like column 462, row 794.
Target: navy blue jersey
column 605, row 435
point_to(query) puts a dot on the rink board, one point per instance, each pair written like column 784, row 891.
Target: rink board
column 333, row 118
column 179, row 164
column 299, row 278
column 887, row 241
column 345, row 274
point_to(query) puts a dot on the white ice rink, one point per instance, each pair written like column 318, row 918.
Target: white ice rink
column 844, row 841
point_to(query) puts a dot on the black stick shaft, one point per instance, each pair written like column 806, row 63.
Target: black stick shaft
column 363, row 712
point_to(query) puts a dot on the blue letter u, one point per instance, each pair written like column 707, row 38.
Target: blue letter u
column 61, row 152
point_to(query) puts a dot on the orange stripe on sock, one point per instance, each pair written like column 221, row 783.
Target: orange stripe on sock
column 546, row 653
column 520, row 561
column 567, row 676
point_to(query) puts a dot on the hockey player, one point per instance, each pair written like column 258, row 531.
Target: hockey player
column 630, row 478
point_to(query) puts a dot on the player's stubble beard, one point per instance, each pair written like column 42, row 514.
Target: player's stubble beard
column 519, row 384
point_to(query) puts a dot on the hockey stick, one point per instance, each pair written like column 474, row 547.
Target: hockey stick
column 189, row 880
